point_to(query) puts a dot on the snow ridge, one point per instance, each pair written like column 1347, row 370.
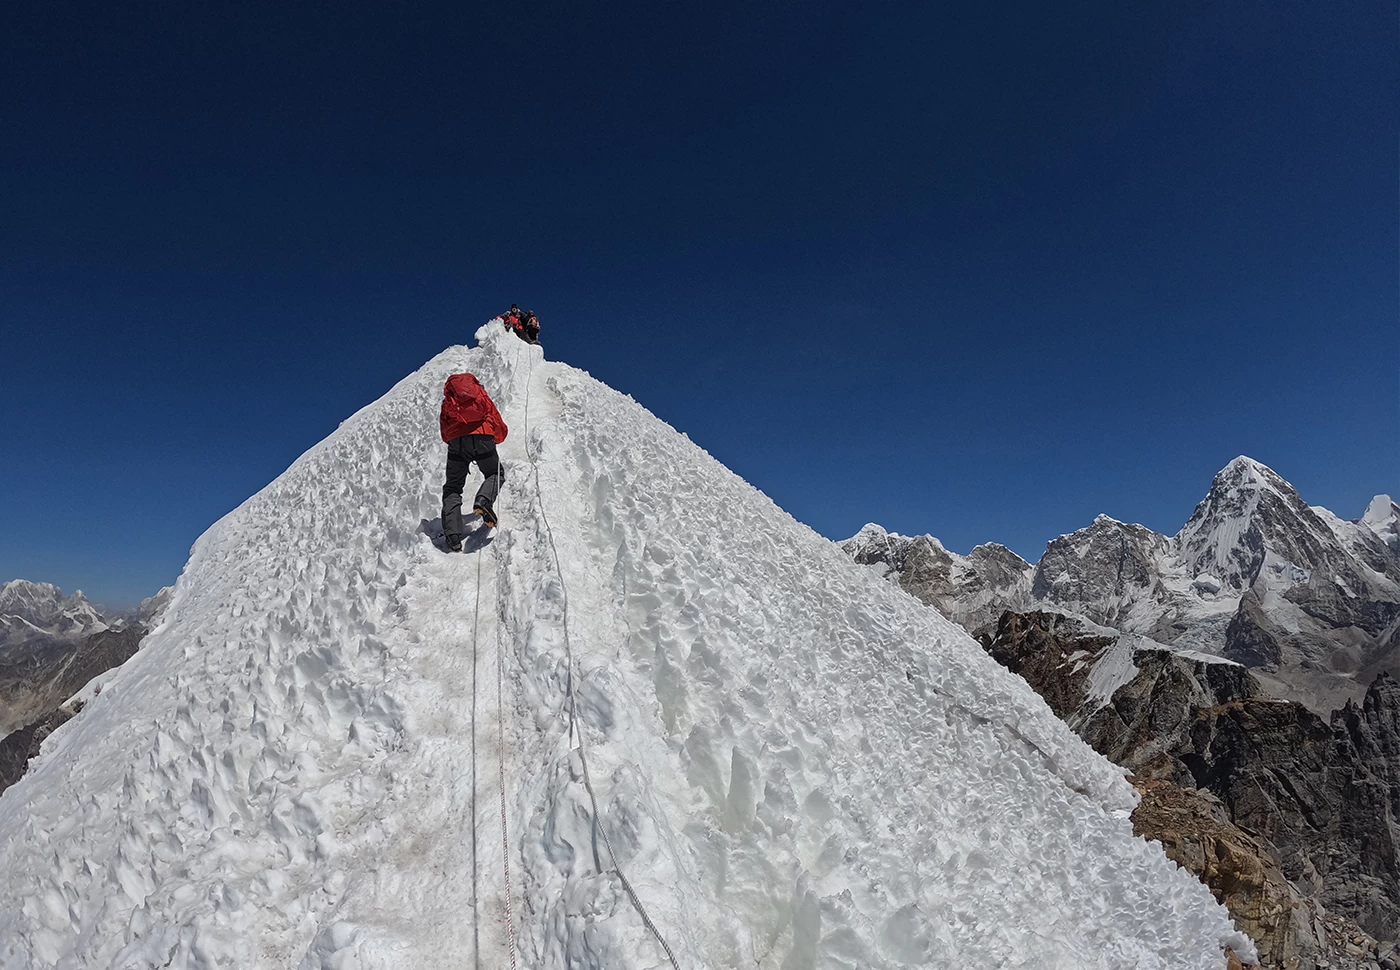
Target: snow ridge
column 797, row 764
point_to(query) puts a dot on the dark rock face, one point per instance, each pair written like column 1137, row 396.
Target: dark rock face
column 1248, row 638
column 1146, row 723
column 20, row 747
column 1315, row 799
column 1321, row 793
column 1040, row 647
column 33, row 687
column 36, row 678
column 1101, row 570
column 1196, row 832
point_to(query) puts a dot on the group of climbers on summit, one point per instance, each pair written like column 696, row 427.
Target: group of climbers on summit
column 473, row 427
column 523, row 323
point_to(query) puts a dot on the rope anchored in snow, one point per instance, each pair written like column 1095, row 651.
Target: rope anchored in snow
column 573, row 703
column 500, row 763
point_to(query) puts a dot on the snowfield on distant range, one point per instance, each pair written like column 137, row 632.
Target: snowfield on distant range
column 797, row 765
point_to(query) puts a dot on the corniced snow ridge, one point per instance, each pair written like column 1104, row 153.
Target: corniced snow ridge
column 796, row 765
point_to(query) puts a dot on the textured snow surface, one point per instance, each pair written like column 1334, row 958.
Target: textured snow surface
column 798, row 765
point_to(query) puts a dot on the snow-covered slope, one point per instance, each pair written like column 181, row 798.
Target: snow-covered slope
column 796, row 765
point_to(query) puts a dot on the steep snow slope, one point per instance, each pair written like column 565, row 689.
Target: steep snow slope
column 797, row 765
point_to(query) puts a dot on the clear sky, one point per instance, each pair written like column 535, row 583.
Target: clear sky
column 979, row 270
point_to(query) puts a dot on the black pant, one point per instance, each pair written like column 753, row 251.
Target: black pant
column 461, row 452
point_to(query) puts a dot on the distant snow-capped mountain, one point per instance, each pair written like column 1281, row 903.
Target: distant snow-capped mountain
column 51, row 645
column 970, row 590
column 1383, row 518
column 1310, row 600
column 30, row 611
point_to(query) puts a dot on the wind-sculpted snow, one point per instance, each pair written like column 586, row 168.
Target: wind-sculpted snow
column 797, row 765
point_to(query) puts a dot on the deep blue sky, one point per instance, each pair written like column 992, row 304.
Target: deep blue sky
column 980, row 270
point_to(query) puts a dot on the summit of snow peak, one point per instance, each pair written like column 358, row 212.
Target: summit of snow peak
column 1383, row 518
column 343, row 747
column 1250, row 511
column 1245, row 467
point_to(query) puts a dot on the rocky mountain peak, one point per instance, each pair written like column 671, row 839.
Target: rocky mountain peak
column 29, row 609
column 1249, row 513
column 33, row 601
column 998, row 562
column 873, row 545
column 42, row 602
column 1097, row 570
column 1244, row 472
column 971, row 590
column 1380, row 709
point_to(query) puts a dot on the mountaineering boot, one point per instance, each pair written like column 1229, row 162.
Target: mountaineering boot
column 454, row 543
column 488, row 517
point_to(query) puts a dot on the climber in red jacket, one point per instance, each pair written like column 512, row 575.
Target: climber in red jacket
column 511, row 318
column 472, row 428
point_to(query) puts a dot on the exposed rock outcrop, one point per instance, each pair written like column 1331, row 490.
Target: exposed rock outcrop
column 1260, row 789
column 36, row 678
column 18, row 748
column 35, row 697
column 1196, row 832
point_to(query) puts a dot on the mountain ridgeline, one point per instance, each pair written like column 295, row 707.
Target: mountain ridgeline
column 1309, row 601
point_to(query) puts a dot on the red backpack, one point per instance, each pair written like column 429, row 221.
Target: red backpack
column 468, row 409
